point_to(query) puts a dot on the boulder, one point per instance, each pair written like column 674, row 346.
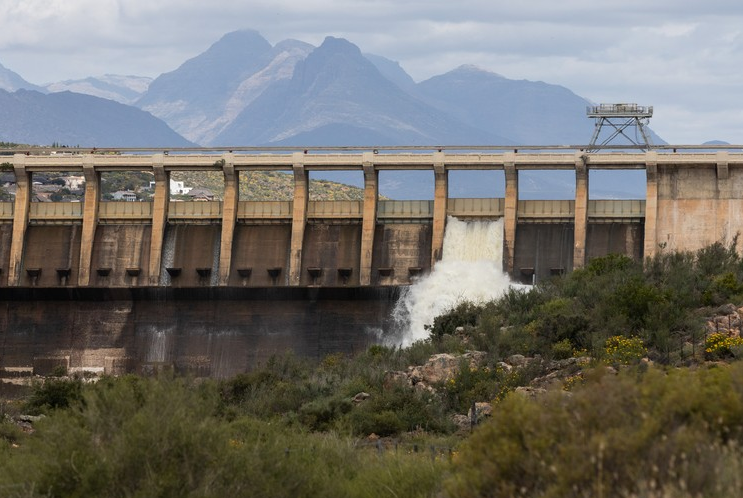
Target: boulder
column 394, row 377
column 438, row 368
column 529, row 392
column 462, row 422
column 726, row 320
column 482, row 410
column 504, row 366
column 362, row 396
column 441, row 367
column 517, row 360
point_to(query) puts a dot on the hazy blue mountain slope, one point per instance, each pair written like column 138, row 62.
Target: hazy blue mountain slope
column 527, row 112
column 392, row 71
column 74, row 119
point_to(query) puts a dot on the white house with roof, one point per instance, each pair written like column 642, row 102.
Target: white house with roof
column 124, row 195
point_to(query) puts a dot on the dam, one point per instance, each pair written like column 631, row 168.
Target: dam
column 213, row 287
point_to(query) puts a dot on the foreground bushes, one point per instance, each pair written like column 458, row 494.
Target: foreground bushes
column 675, row 433
column 165, row 437
column 644, row 432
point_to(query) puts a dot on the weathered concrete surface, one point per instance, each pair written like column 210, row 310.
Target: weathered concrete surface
column 581, row 212
column 194, row 251
column 510, row 215
column 214, row 332
column 258, row 249
column 400, row 252
column 614, row 238
column 697, row 207
column 369, row 221
column 160, row 205
column 328, row 249
column 6, row 235
column 54, row 249
column 543, row 249
column 116, row 249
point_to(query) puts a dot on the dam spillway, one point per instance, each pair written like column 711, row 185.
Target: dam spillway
column 146, row 259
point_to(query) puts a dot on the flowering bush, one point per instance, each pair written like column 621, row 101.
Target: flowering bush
column 624, row 350
column 721, row 345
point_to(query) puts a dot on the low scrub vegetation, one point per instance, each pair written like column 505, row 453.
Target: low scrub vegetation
column 603, row 382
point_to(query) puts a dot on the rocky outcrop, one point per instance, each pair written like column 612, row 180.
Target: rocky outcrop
column 438, row 368
column 727, row 319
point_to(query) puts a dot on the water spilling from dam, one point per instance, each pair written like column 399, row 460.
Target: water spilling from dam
column 470, row 270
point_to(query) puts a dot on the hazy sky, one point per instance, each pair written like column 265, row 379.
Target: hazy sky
column 684, row 57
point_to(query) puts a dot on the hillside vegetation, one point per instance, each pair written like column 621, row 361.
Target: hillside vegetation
column 270, row 186
column 619, row 379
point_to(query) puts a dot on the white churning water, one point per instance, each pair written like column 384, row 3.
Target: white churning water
column 471, row 269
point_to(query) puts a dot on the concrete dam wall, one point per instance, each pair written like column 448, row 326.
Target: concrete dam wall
column 215, row 287
column 216, row 332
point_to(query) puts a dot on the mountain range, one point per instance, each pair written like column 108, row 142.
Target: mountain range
column 244, row 91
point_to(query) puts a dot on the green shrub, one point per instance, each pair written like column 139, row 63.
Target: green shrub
column 383, row 423
column 560, row 319
column 463, row 314
column 562, row 350
column 319, row 414
column 9, row 431
column 52, row 394
column 516, row 340
column 397, row 409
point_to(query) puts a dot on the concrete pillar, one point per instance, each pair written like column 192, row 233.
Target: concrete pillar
column 229, row 216
column 90, row 219
column 440, row 196
column 510, row 211
column 723, row 158
column 20, row 219
column 299, row 218
column 581, row 210
column 651, row 205
column 725, row 226
column 160, row 205
column 369, row 222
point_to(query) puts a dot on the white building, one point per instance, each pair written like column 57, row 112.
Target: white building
column 124, row 195
column 74, row 182
column 176, row 188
